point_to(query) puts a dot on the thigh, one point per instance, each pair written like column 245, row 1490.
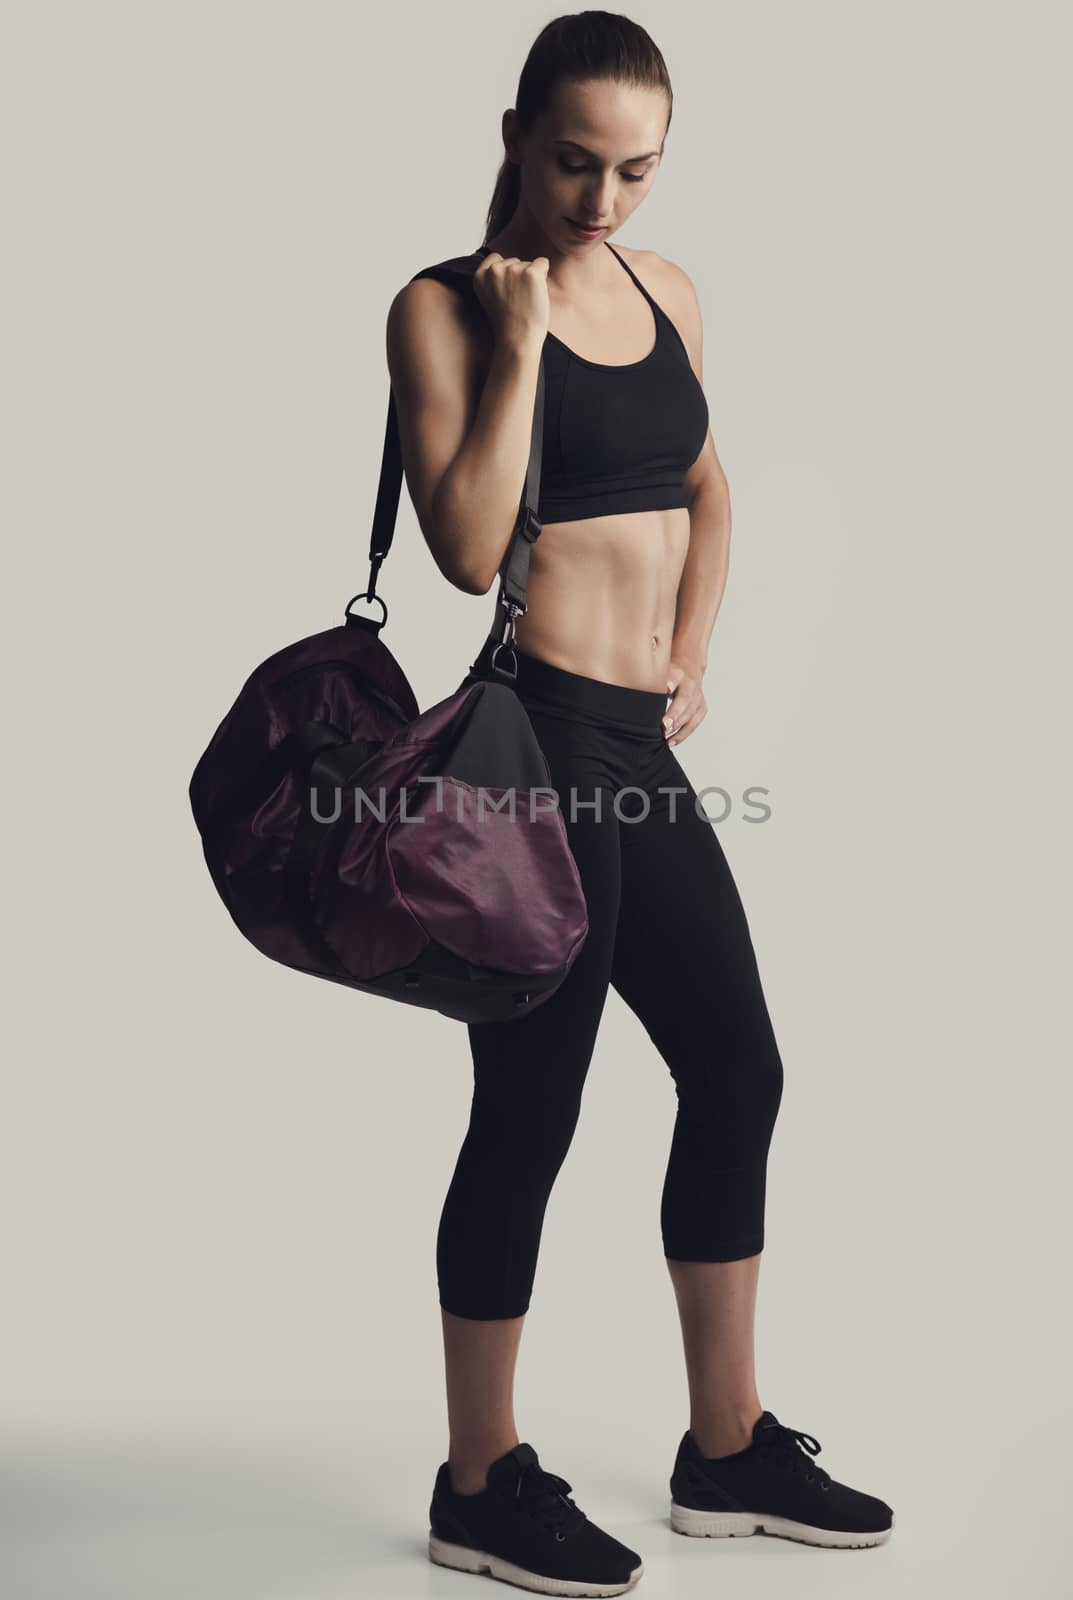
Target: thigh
column 684, row 960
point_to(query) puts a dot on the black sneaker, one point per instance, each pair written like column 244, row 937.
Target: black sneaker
column 521, row 1527
column 772, row 1486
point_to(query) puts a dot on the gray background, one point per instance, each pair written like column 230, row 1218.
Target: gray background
column 222, row 1367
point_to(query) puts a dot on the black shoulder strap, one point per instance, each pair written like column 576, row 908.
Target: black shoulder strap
column 514, row 570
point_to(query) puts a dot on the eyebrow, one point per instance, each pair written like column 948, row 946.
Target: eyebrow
column 575, row 146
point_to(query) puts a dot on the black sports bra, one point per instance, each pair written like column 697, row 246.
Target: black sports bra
column 620, row 437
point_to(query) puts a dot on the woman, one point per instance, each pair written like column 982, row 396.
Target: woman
column 626, row 579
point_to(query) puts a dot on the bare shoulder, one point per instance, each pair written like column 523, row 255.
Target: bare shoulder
column 430, row 322
column 672, row 289
column 672, row 286
column 419, row 317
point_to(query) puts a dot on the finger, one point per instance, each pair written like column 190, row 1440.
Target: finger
column 687, row 714
column 677, row 713
column 690, row 725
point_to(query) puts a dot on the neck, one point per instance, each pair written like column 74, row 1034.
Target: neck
column 582, row 267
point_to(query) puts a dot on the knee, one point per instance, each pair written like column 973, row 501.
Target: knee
column 735, row 1094
column 769, row 1074
column 525, row 1143
column 760, row 1090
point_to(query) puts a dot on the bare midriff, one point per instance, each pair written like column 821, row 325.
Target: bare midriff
column 602, row 596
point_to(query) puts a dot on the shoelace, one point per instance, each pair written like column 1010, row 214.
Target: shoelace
column 544, row 1495
column 785, row 1441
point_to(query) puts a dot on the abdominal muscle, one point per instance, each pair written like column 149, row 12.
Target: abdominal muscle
column 602, row 595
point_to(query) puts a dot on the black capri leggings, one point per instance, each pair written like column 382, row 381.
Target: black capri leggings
column 668, row 931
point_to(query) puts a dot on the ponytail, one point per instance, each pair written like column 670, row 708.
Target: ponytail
column 505, row 197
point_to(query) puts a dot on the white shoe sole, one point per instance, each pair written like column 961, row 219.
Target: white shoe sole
column 466, row 1560
column 735, row 1524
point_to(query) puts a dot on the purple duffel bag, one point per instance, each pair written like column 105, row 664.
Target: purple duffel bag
column 419, row 856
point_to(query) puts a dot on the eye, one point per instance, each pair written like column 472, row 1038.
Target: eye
column 630, row 177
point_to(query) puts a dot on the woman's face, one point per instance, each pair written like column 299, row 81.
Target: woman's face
column 591, row 158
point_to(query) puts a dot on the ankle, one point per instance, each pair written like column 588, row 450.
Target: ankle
column 468, row 1469
column 467, row 1480
column 725, row 1433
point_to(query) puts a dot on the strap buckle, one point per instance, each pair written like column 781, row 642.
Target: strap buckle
column 530, row 526
column 376, row 562
column 513, row 609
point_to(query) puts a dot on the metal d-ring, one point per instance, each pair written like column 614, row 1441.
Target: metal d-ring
column 503, row 645
column 365, row 595
column 506, row 641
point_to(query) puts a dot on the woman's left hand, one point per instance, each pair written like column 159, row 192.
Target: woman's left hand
column 688, row 709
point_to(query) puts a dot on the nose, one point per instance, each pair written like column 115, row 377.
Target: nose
column 599, row 200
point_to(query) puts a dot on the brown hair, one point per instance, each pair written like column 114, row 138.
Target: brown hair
column 577, row 48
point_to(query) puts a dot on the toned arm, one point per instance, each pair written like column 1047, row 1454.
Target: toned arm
column 465, row 409
column 703, row 578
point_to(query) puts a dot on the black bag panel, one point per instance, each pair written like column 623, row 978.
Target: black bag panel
column 440, row 981
column 496, row 746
